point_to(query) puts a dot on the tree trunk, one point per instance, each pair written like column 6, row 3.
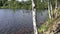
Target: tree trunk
column 55, row 8
column 56, row 4
column 34, row 17
column 41, row 0
column 49, row 9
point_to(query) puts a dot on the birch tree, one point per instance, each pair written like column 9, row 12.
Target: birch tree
column 34, row 16
column 55, row 4
column 49, row 9
column 41, row 0
column 55, row 8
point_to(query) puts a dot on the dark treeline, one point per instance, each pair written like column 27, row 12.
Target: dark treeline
column 15, row 4
column 22, row 5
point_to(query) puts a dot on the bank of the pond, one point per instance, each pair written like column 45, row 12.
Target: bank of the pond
column 47, row 27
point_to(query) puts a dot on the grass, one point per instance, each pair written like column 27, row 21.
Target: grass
column 44, row 27
column 47, row 24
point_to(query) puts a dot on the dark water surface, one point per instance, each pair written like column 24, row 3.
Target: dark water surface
column 19, row 22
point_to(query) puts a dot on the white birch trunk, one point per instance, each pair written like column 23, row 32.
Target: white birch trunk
column 41, row 0
column 55, row 11
column 49, row 9
column 55, row 4
column 55, row 8
column 34, row 17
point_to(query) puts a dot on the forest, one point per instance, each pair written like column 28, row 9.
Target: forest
column 22, row 5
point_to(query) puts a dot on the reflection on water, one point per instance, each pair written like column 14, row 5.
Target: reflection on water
column 19, row 22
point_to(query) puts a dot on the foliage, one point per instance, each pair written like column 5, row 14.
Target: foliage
column 41, row 5
column 16, row 5
column 44, row 27
column 26, row 5
column 23, row 5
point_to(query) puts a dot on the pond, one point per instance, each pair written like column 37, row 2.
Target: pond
column 19, row 22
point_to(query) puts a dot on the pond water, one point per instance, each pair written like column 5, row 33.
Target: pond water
column 19, row 22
